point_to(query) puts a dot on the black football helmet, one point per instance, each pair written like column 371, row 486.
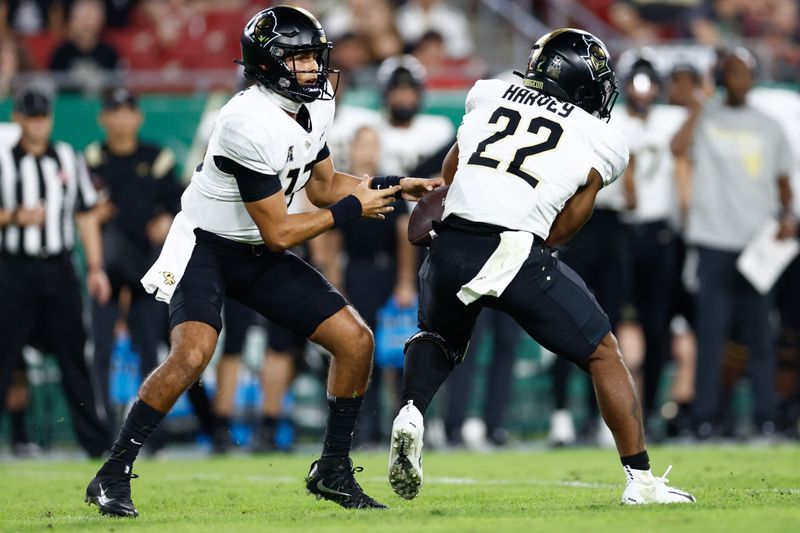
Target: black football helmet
column 269, row 42
column 573, row 66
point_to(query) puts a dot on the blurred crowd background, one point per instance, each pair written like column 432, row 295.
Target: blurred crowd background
column 134, row 87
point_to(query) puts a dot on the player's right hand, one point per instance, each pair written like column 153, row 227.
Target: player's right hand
column 375, row 203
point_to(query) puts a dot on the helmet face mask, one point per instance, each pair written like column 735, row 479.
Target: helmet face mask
column 574, row 66
column 272, row 40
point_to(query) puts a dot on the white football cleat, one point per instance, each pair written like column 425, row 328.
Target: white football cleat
column 405, row 454
column 644, row 488
column 562, row 428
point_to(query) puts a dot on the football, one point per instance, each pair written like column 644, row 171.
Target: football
column 428, row 209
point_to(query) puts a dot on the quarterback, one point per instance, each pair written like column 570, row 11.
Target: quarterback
column 231, row 240
column 527, row 164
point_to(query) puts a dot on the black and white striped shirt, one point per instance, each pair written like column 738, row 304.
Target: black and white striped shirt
column 58, row 181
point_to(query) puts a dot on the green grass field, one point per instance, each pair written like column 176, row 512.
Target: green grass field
column 738, row 489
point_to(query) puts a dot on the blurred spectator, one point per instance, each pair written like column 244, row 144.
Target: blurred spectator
column 783, row 37
column 347, row 121
column 381, row 263
column 416, row 17
column 650, row 19
column 29, row 17
column 741, row 159
column 430, row 51
column 351, row 57
column 85, row 60
column 650, row 225
column 118, row 12
column 684, row 80
column 408, row 136
column 139, row 196
column 13, row 61
column 38, row 284
column 717, row 21
column 373, row 21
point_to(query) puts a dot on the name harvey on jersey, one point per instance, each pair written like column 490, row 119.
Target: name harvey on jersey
column 521, row 95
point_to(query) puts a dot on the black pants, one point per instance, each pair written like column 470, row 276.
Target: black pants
column 725, row 298
column 46, row 292
column 369, row 282
column 599, row 254
column 505, row 340
column 146, row 320
column 546, row 297
column 652, row 250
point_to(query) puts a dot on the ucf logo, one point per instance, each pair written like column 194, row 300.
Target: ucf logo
column 264, row 30
column 169, row 278
column 596, row 57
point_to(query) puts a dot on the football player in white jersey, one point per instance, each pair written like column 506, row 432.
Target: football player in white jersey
column 651, row 224
column 408, row 136
column 231, row 240
column 528, row 163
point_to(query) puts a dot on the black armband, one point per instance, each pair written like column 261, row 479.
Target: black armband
column 253, row 185
column 345, row 210
column 384, row 182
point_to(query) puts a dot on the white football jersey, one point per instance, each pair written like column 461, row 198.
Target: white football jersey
column 402, row 149
column 654, row 169
column 523, row 154
column 254, row 132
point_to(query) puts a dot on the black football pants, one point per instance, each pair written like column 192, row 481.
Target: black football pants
column 41, row 298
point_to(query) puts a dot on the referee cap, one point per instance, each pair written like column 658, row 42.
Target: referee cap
column 116, row 97
column 33, row 101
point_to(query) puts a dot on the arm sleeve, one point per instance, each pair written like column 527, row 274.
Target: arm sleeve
column 611, row 156
column 323, row 154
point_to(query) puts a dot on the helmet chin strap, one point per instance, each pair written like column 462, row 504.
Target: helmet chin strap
column 288, row 105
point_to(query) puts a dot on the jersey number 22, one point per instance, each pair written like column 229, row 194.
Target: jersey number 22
column 514, row 118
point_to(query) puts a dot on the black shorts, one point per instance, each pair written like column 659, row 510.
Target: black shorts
column 547, row 298
column 278, row 285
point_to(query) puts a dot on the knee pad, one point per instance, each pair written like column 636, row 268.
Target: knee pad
column 453, row 355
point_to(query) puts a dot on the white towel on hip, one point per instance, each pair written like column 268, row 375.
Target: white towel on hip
column 500, row 268
column 165, row 274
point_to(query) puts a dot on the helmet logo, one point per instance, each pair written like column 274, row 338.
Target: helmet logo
column 264, row 31
column 554, row 68
column 596, row 57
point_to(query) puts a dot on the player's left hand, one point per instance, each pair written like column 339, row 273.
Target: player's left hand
column 415, row 188
column 98, row 285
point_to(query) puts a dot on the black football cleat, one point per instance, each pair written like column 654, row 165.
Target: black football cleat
column 112, row 495
column 333, row 479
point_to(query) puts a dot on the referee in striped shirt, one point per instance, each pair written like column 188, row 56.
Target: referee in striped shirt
column 44, row 190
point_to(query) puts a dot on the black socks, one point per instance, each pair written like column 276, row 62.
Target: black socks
column 426, row 368
column 639, row 461
column 139, row 424
column 342, row 415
